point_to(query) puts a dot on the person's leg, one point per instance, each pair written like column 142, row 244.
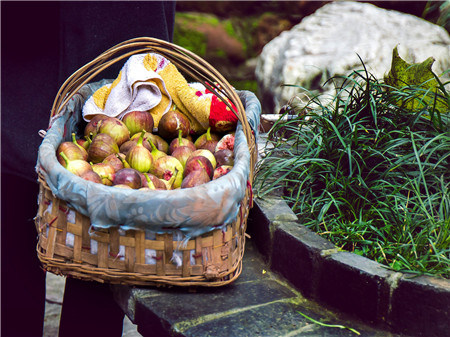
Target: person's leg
column 89, row 310
column 23, row 280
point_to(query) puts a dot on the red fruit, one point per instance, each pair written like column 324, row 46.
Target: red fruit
column 76, row 166
column 105, row 171
column 195, row 178
column 199, row 163
column 221, row 171
column 91, row 128
column 115, row 128
column 207, row 141
column 180, row 141
column 114, row 161
column 101, row 147
column 182, row 153
column 137, row 121
column 226, row 142
column 171, row 122
column 91, row 176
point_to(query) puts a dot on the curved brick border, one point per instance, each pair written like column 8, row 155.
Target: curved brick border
column 349, row 283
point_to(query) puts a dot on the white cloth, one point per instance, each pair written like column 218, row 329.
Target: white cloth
column 135, row 89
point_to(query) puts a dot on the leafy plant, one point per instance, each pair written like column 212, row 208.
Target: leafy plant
column 370, row 170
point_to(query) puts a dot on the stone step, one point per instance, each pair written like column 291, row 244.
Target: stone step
column 258, row 303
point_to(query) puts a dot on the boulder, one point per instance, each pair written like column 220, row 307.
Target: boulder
column 328, row 42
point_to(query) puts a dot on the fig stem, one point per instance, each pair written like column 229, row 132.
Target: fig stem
column 63, row 155
column 141, row 138
column 208, row 134
column 149, row 182
column 74, row 140
column 180, row 137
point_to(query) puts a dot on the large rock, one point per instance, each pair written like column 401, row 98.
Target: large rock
column 328, row 43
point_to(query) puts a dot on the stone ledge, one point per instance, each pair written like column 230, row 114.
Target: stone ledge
column 349, row 283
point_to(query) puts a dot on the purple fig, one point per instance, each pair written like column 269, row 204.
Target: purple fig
column 224, row 157
column 129, row 177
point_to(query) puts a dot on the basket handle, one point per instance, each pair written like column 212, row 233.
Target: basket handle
column 184, row 59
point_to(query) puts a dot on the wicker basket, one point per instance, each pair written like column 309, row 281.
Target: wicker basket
column 212, row 259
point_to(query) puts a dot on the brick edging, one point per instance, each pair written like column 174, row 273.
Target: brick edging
column 347, row 282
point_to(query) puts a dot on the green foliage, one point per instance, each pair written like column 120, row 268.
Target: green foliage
column 191, row 40
column 367, row 172
column 404, row 75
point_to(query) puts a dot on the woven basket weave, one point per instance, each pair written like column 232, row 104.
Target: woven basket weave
column 212, row 259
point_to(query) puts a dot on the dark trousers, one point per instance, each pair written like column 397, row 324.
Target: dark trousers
column 89, row 310
column 22, row 281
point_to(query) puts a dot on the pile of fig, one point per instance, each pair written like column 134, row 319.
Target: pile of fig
column 131, row 154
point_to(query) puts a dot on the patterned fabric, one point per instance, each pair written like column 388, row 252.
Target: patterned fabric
column 193, row 212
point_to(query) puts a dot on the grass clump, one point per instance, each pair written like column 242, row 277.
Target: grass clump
column 367, row 172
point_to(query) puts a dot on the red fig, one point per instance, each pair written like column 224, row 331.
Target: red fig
column 207, row 141
column 153, row 182
column 168, row 168
column 205, row 153
column 105, row 171
column 115, row 128
column 101, row 147
column 137, row 121
column 154, row 150
column 180, row 141
column 195, row 178
column 76, row 166
column 160, row 143
column 127, row 146
column 114, row 161
column 182, row 153
column 171, row 122
column 91, row 127
column 91, row 176
column 199, row 163
column 72, row 150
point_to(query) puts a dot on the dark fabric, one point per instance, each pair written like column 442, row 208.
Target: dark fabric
column 23, row 281
column 43, row 43
column 89, row 310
